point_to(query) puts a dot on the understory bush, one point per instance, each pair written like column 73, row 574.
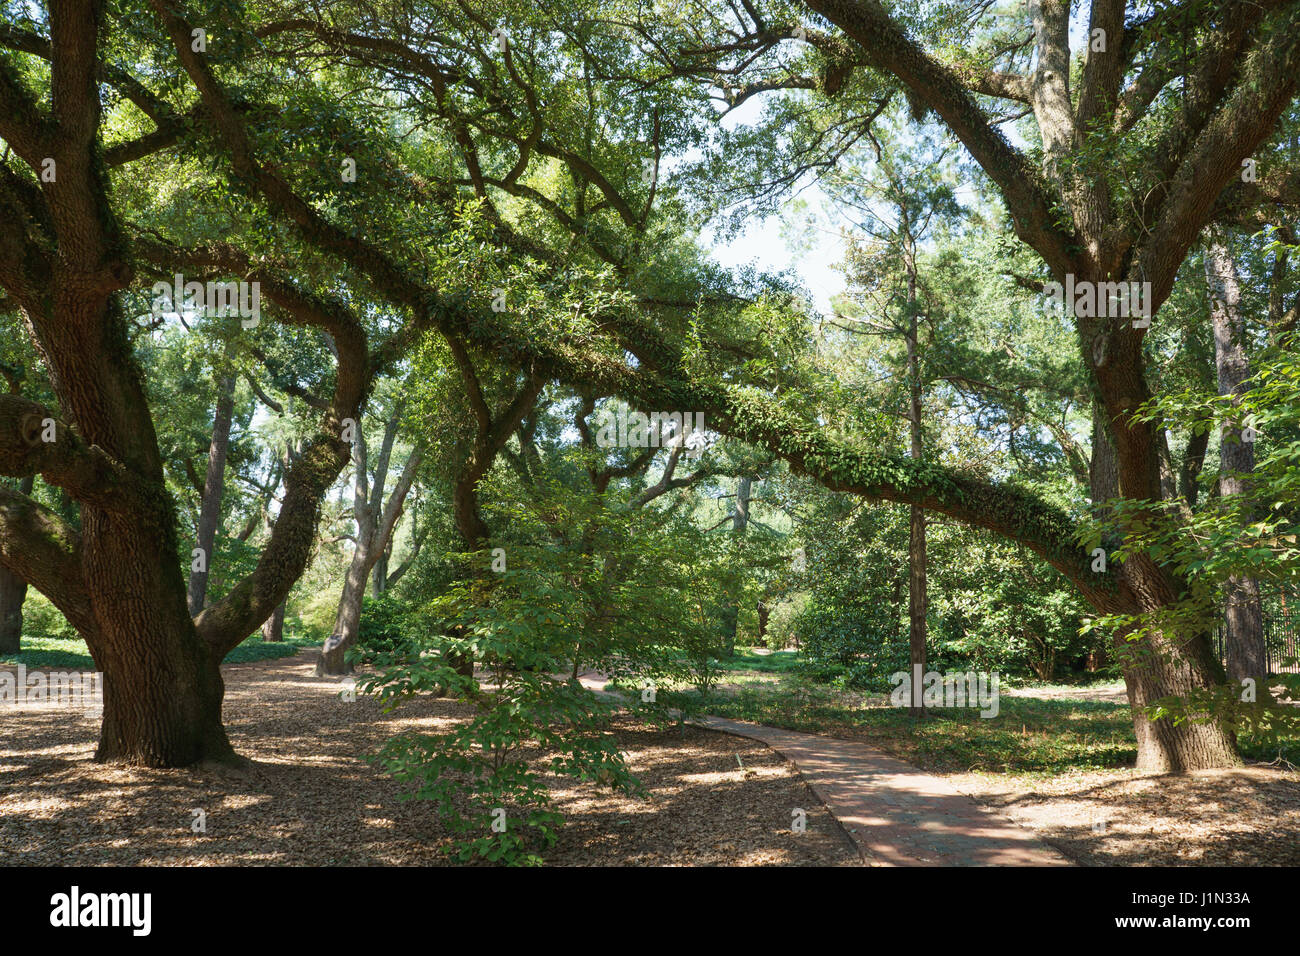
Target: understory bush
column 382, row 629
column 851, row 645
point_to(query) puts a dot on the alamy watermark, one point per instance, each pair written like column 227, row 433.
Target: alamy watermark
column 1102, row 300
column 658, row 429
column 211, row 298
column 73, row 690
column 954, row 689
column 75, row 909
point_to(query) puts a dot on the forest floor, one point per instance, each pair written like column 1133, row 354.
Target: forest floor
column 1054, row 763
column 310, row 798
column 1244, row 817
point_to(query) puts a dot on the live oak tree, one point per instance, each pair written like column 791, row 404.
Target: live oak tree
column 559, row 130
column 118, row 578
column 1142, row 135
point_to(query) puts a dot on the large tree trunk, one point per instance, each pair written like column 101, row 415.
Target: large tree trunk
column 1244, row 610
column 13, row 592
column 273, row 627
column 213, row 487
column 1164, row 668
column 162, row 685
column 1155, row 666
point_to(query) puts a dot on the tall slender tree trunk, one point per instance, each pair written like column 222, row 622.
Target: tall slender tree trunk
column 13, row 592
column 379, row 574
column 213, row 488
column 375, row 520
column 917, row 597
column 1244, row 608
column 739, row 522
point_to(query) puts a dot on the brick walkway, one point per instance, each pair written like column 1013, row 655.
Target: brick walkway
column 896, row 814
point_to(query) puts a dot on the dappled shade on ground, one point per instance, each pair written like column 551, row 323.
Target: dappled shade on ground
column 309, row 797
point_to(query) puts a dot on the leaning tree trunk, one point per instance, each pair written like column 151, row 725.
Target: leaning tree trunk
column 347, row 619
column 1243, row 611
column 213, row 487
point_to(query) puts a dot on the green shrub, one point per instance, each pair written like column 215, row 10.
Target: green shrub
column 382, row 629
column 851, row 645
column 43, row 619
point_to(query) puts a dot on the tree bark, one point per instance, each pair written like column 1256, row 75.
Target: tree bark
column 1243, row 605
column 347, row 619
column 1172, row 668
column 273, row 628
column 13, row 592
column 917, row 602
column 739, row 522
column 162, row 687
column 379, row 574
column 213, row 486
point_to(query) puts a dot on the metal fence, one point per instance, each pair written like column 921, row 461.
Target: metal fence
column 1281, row 644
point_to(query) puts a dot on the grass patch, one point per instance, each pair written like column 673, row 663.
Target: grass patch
column 71, row 653
column 55, row 652
column 1028, row 736
column 256, row 649
column 777, row 662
